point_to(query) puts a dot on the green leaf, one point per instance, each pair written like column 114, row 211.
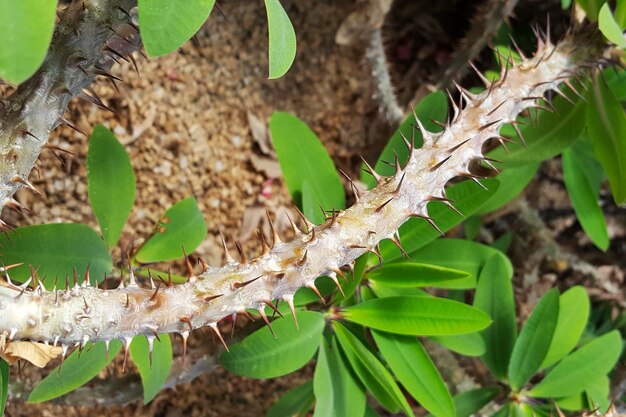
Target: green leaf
column 548, row 138
column 111, row 183
column 574, row 373
column 411, row 364
column 512, row 183
column 574, row 308
column 336, row 391
column 599, row 392
column 260, row 355
column 411, row 274
column 4, row 385
column 606, row 125
column 153, row 375
column 620, row 13
column 295, row 403
column 411, row 315
column 302, row 157
column 609, row 26
column 470, row 402
column 167, row 25
column 469, row 344
column 468, row 256
column 77, row 370
column 416, row 233
column 591, row 8
column 534, row 340
column 182, row 225
column 432, row 107
column 371, row 372
column 282, row 39
column 494, row 296
column 56, row 250
column 583, row 176
column 27, row 27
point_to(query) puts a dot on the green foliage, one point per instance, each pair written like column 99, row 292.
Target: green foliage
column 4, row 385
column 111, row 183
column 295, row 403
column 609, row 27
column 591, row 8
column 56, row 250
column 411, row 274
column 416, row 315
column 153, row 368
column 78, row 369
column 260, row 355
column 27, row 28
column 606, row 126
column 282, row 39
column 305, row 163
column 512, row 183
column 167, row 25
column 182, row 226
column 534, row 340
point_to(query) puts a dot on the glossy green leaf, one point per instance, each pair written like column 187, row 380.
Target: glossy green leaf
column 302, row 157
column 606, row 126
column 77, row 370
column 27, row 27
column 56, row 250
column 548, row 138
column 182, row 225
column 382, row 290
column 371, row 372
column 295, row 403
column 432, row 107
column 512, row 182
column 412, row 274
column 111, row 183
column 166, row 25
column 470, row 402
column 416, row 233
column 609, row 26
column 411, row 364
column 583, row 176
column 336, row 392
column 572, row 374
column 469, row 344
column 534, row 340
column 4, row 385
column 260, row 355
column 282, row 39
column 468, row 256
column 153, row 375
column 494, row 295
column 424, row 316
column 574, row 308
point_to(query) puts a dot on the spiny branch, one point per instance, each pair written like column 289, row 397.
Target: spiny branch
column 89, row 38
column 76, row 315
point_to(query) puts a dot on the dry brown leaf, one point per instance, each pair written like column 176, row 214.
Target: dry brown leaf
column 267, row 166
column 261, row 135
column 359, row 25
column 252, row 217
column 38, row 354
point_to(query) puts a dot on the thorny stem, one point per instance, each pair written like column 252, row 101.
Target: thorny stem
column 74, row 316
column 89, row 38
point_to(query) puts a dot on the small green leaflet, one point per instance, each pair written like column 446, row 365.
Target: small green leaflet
column 337, row 394
column 260, row 355
column 371, row 372
column 303, row 159
column 153, row 375
column 572, row 374
column 27, row 27
column 583, row 177
column 182, row 226
column 411, row 364
column 606, row 126
column 295, row 403
column 56, row 250
column 609, row 26
column 282, row 39
column 494, row 295
column 111, row 183
column 412, row 274
column 76, row 371
column 166, row 25
column 417, row 315
column 534, row 340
